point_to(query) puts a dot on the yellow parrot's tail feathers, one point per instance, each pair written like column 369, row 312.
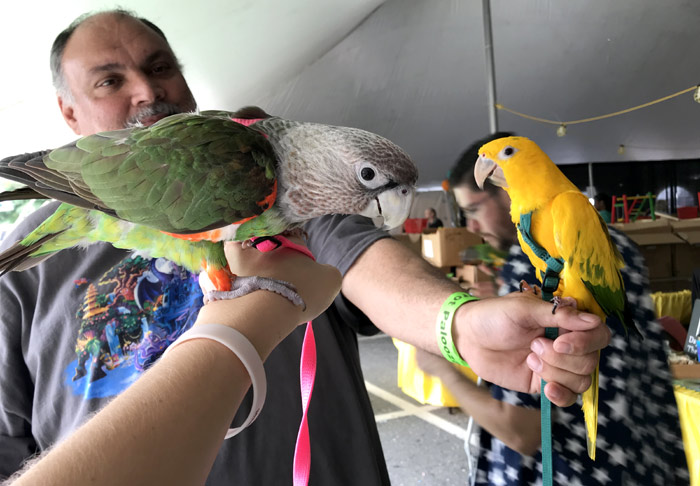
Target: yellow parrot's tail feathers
column 590, row 414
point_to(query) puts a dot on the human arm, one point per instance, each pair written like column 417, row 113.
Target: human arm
column 168, row 426
column 493, row 335
column 515, row 426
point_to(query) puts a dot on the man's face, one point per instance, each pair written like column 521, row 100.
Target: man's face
column 119, row 71
column 488, row 215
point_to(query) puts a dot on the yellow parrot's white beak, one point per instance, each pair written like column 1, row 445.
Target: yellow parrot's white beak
column 488, row 169
column 394, row 205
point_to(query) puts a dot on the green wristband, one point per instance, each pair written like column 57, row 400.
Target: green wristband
column 444, row 326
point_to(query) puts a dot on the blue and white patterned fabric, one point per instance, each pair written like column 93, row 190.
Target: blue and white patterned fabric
column 639, row 437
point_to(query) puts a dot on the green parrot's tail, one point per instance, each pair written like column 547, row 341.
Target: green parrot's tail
column 20, row 257
column 590, row 413
column 21, row 194
column 71, row 226
column 55, row 233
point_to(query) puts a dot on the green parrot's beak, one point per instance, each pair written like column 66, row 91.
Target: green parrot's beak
column 488, row 169
column 394, row 205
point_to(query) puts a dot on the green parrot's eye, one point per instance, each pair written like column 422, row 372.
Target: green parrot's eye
column 367, row 174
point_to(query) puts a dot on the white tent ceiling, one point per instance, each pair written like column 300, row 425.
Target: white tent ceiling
column 411, row 70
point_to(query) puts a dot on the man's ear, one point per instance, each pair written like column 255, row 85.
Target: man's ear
column 68, row 115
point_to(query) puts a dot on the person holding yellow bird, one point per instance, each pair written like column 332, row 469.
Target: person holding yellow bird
column 639, row 433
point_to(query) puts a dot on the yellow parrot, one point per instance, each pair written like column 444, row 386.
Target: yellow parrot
column 565, row 231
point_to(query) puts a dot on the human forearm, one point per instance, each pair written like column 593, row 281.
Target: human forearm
column 165, row 429
column 516, row 427
column 399, row 292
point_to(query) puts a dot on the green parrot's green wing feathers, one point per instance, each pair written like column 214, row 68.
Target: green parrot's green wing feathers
column 187, row 173
column 583, row 241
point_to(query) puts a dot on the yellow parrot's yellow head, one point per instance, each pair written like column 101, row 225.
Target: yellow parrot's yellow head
column 508, row 159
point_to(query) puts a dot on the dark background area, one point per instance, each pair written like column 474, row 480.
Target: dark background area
column 675, row 182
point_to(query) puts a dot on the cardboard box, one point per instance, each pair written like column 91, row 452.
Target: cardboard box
column 659, row 260
column 648, row 232
column 685, row 371
column 668, row 285
column 687, row 229
column 442, row 247
column 685, row 258
column 471, row 274
column 411, row 240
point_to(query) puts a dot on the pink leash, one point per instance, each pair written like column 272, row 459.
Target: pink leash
column 307, row 371
column 307, row 374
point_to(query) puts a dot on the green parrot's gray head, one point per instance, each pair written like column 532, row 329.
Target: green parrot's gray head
column 338, row 170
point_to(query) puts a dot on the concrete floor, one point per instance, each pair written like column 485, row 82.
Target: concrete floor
column 423, row 444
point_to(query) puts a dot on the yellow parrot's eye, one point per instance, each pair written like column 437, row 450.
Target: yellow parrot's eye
column 507, row 153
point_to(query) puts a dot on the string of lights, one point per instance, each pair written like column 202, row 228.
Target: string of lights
column 561, row 126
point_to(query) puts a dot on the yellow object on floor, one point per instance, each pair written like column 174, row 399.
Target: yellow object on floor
column 678, row 305
column 422, row 387
column 689, row 415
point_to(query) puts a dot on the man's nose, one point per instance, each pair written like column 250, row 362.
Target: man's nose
column 473, row 225
column 145, row 90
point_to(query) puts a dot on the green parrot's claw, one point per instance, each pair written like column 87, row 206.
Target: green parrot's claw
column 244, row 285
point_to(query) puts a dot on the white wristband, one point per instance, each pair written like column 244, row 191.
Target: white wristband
column 245, row 351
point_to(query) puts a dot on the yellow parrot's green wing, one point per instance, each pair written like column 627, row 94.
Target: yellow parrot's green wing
column 592, row 259
column 583, row 241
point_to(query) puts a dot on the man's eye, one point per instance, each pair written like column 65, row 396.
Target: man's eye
column 107, row 83
column 160, row 68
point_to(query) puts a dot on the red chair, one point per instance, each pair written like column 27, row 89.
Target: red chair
column 676, row 332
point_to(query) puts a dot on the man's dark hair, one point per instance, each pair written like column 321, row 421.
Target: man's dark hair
column 605, row 199
column 462, row 173
column 59, row 45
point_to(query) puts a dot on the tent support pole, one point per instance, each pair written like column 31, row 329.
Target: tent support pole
column 490, row 69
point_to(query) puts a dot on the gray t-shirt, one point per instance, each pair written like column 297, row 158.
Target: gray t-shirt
column 82, row 326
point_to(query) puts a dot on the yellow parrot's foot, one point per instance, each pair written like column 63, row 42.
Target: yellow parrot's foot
column 563, row 302
column 526, row 287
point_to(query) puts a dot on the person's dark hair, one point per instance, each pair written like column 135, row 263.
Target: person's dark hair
column 59, row 45
column 462, row 173
column 605, row 199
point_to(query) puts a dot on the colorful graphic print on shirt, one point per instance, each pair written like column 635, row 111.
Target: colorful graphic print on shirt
column 127, row 319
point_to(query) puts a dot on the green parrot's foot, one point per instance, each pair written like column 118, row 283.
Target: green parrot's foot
column 563, row 302
column 244, row 285
column 526, row 287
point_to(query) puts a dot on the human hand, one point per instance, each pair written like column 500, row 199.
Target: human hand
column 270, row 317
column 498, row 336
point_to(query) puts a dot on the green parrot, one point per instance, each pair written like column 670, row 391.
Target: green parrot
column 182, row 186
